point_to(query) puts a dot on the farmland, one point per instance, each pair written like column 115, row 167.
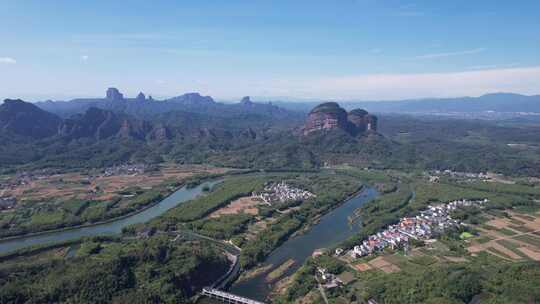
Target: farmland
column 516, row 237
column 52, row 200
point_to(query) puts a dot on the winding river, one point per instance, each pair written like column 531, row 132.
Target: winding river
column 113, row 227
column 332, row 229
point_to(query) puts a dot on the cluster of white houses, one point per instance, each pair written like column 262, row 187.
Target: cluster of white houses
column 125, row 169
column 281, row 192
column 429, row 223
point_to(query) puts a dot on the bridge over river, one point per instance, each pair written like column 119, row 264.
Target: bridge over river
column 227, row 297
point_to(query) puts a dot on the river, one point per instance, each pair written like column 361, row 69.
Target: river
column 113, row 227
column 332, row 229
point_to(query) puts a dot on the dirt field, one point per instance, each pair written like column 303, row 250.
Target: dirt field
column 363, row 267
column 382, row 264
column 247, row 205
column 514, row 246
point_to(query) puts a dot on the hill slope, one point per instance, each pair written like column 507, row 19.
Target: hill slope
column 25, row 119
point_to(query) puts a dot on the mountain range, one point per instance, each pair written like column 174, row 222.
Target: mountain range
column 190, row 128
column 196, row 129
column 497, row 102
column 143, row 107
column 26, row 120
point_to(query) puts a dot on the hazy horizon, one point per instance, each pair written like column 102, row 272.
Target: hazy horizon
column 262, row 99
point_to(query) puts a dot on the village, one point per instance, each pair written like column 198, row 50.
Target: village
column 125, row 169
column 429, row 223
column 436, row 175
column 282, row 192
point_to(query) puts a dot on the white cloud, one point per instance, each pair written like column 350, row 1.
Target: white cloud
column 450, row 54
column 403, row 86
column 7, row 60
column 84, row 58
column 493, row 66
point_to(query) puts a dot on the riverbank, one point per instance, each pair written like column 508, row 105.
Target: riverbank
column 331, row 229
column 29, row 220
column 187, row 184
column 23, row 236
column 317, row 219
column 115, row 226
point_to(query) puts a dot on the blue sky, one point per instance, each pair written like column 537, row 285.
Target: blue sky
column 296, row 49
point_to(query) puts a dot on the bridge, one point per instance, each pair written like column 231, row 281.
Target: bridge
column 227, row 297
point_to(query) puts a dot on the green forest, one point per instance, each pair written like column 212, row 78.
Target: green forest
column 102, row 270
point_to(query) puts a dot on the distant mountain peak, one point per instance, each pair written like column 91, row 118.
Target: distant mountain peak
column 13, row 101
column 193, row 98
column 330, row 116
column 114, row 94
column 328, row 107
column 141, row 97
column 246, row 100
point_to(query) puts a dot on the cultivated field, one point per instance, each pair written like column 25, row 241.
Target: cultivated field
column 97, row 186
column 513, row 238
column 47, row 201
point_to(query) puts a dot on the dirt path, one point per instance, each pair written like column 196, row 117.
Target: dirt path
column 321, row 289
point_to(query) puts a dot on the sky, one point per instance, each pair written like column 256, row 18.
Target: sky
column 279, row 49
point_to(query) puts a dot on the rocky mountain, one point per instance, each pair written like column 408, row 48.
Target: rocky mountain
column 21, row 118
column 330, row 116
column 362, row 121
column 25, row 119
column 101, row 124
column 149, row 109
column 246, row 101
column 192, row 99
column 114, row 94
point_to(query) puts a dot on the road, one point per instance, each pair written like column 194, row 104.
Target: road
column 229, row 248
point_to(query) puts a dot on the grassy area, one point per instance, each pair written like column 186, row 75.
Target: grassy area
column 483, row 239
column 499, row 253
column 506, row 188
column 232, row 188
column 424, row 260
column 521, row 228
column 279, row 271
column 529, row 239
column 507, row 231
column 512, row 247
